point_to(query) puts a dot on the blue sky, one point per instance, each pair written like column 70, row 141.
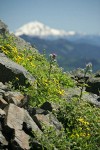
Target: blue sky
column 76, row 15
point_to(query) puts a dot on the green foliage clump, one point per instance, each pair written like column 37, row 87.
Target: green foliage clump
column 50, row 79
column 81, row 123
column 51, row 139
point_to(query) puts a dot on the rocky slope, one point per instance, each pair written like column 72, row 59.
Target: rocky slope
column 19, row 122
column 16, row 123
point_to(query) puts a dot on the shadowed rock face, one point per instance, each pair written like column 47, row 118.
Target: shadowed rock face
column 94, row 85
column 9, row 70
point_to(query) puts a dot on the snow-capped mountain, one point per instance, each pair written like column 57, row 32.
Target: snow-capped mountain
column 74, row 49
column 39, row 29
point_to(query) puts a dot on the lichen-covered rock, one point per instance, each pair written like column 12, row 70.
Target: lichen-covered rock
column 18, row 126
column 14, row 118
column 30, row 125
column 47, row 120
column 14, row 97
column 20, row 141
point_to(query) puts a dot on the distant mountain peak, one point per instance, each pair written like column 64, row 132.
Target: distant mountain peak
column 39, row 29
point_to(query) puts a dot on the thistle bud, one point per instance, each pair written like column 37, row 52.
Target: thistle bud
column 53, row 57
column 89, row 67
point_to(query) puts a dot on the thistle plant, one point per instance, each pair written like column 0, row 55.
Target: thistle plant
column 88, row 69
column 52, row 61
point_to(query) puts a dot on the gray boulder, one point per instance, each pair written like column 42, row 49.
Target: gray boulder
column 10, row 70
column 93, row 85
column 20, row 141
column 48, row 120
column 30, row 125
column 91, row 98
column 78, row 75
column 18, row 125
column 14, row 118
column 97, row 74
column 14, row 97
column 22, row 44
column 3, row 28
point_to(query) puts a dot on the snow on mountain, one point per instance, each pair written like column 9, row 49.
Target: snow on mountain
column 39, row 29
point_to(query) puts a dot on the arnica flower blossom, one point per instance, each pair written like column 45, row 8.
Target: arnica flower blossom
column 61, row 92
column 83, row 121
column 32, row 64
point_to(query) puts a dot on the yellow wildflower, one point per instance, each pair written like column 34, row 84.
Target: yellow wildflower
column 83, row 121
column 18, row 59
column 82, row 134
column 77, row 134
column 17, row 78
column 61, row 92
column 32, row 64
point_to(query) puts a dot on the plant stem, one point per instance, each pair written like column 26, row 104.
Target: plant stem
column 81, row 93
column 50, row 68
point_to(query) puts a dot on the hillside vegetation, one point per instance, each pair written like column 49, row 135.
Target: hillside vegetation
column 71, row 55
column 80, row 119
